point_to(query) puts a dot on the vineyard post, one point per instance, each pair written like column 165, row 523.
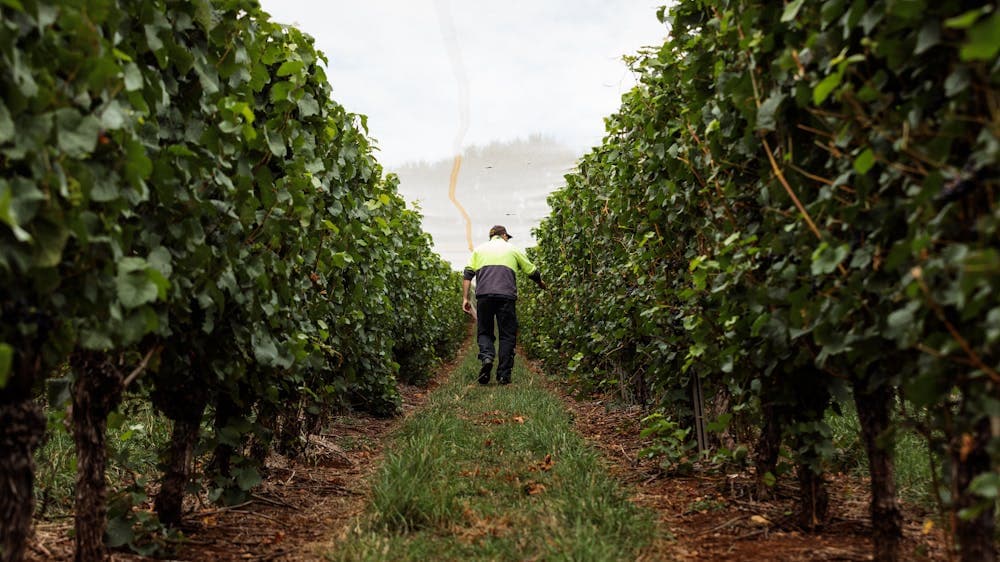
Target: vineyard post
column 698, row 403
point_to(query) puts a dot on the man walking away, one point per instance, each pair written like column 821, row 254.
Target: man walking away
column 495, row 265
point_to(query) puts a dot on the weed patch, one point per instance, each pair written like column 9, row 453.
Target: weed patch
column 136, row 434
column 913, row 468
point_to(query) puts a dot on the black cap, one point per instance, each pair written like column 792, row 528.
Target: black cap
column 499, row 231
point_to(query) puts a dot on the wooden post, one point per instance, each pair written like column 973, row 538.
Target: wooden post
column 698, row 402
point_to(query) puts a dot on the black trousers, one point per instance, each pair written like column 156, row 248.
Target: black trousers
column 503, row 312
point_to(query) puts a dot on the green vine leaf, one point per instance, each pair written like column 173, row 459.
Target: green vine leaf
column 982, row 43
column 6, row 363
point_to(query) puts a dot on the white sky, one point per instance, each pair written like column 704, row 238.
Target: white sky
column 550, row 67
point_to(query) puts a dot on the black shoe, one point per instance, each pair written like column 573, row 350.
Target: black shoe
column 484, row 371
column 503, row 379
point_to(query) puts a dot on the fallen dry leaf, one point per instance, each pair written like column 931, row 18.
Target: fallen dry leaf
column 278, row 537
column 548, row 463
column 519, row 419
column 534, row 488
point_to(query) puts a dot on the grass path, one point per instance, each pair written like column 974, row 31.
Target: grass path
column 494, row 473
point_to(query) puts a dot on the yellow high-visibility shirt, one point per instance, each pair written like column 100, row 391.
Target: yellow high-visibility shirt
column 495, row 266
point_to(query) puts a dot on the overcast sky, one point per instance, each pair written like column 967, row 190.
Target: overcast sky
column 549, row 67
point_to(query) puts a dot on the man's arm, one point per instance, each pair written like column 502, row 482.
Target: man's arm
column 466, row 305
column 467, row 275
column 525, row 264
column 536, row 276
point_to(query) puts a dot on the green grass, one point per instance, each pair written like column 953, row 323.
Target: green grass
column 913, row 472
column 136, row 433
column 494, row 473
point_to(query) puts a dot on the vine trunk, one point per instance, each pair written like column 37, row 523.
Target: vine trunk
column 21, row 429
column 96, row 393
column 180, row 461
column 873, row 408
column 970, row 459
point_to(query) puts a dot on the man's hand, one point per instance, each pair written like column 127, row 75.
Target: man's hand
column 466, row 305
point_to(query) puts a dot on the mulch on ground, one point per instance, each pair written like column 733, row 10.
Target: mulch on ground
column 713, row 517
column 299, row 510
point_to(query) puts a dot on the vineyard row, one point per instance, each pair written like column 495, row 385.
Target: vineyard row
column 796, row 209
column 187, row 217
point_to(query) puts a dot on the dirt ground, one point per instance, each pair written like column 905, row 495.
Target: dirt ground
column 712, row 517
column 299, row 510
column 304, row 505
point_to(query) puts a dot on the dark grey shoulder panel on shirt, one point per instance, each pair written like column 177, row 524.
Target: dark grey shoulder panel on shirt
column 496, row 280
